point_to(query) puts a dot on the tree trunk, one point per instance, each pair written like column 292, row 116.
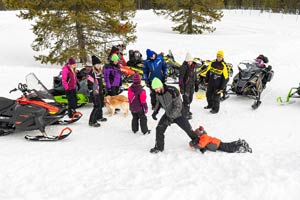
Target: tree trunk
column 190, row 21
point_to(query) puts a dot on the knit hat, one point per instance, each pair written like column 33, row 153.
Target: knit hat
column 188, row 57
column 136, row 78
column 156, row 83
column 200, row 130
column 114, row 57
column 220, row 53
column 71, row 61
column 95, row 60
column 149, row 53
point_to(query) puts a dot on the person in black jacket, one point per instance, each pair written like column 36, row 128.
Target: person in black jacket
column 95, row 84
column 187, row 83
column 168, row 97
column 217, row 78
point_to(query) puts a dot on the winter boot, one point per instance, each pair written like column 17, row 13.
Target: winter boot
column 96, row 124
column 241, row 149
column 103, row 119
column 194, row 145
column 243, row 146
column 156, row 150
column 214, row 111
column 147, row 132
column 207, row 107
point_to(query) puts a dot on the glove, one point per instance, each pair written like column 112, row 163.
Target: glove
column 181, row 90
column 154, row 115
column 219, row 91
column 196, row 87
column 169, row 121
column 203, row 150
column 145, row 108
column 148, row 84
column 78, row 86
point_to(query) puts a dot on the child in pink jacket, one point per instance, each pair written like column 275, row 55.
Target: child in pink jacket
column 138, row 105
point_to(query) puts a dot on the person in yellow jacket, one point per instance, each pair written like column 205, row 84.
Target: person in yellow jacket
column 207, row 142
column 216, row 79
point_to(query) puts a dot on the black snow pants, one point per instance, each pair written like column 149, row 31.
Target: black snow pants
column 139, row 117
column 72, row 102
column 164, row 122
column 97, row 112
column 187, row 100
column 229, row 147
column 213, row 99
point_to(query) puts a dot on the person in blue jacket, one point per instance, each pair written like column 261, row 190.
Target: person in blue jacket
column 154, row 66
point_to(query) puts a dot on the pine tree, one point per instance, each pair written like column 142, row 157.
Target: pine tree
column 75, row 28
column 127, row 9
column 192, row 16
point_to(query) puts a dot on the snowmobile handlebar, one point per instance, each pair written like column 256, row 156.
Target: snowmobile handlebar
column 13, row 90
column 22, row 87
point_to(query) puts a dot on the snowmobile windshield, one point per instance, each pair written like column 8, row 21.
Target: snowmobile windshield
column 248, row 66
column 34, row 84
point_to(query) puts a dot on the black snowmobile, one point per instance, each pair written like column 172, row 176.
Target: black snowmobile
column 33, row 111
column 136, row 61
column 172, row 66
column 251, row 80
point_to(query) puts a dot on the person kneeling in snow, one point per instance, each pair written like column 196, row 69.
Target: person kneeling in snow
column 207, row 142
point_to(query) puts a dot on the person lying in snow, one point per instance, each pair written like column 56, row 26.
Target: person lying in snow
column 207, row 142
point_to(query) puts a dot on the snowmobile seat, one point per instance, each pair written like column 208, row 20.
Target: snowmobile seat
column 5, row 103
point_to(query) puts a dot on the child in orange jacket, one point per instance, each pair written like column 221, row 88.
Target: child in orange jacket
column 207, row 142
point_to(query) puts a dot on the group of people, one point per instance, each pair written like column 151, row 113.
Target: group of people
column 162, row 96
column 110, row 73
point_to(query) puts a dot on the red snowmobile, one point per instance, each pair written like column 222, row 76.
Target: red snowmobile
column 33, row 111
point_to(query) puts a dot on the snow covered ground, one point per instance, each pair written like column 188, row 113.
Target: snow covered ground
column 111, row 162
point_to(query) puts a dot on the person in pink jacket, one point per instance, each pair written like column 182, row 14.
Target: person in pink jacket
column 69, row 81
column 138, row 105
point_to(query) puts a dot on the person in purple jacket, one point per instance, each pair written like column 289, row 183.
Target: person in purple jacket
column 112, row 75
column 138, row 105
column 69, row 82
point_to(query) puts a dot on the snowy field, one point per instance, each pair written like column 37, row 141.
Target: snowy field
column 111, row 162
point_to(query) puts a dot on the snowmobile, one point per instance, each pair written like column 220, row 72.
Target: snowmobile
column 172, row 66
column 127, row 74
column 136, row 62
column 33, row 111
column 294, row 92
column 251, row 81
column 202, row 69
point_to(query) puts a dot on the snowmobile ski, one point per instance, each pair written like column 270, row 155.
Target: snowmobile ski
column 50, row 138
column 291, row 94
column 256, row 105
column 76, row 116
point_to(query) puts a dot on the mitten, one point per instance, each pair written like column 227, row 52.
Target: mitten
column 154, row 115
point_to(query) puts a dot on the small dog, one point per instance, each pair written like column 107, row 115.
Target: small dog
column 118, row 101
